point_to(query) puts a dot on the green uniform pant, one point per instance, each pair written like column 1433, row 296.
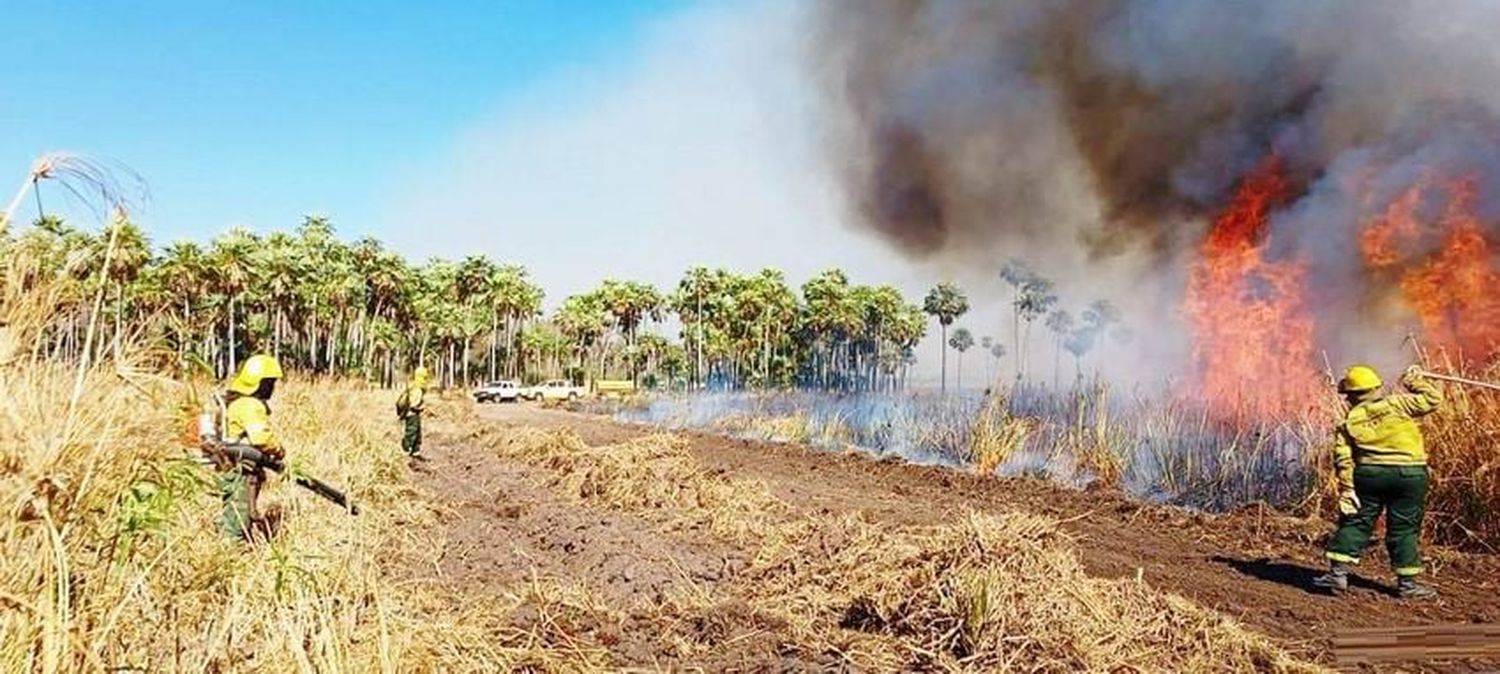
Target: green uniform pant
column 1399, row 491
column 411, row 440
column 239, row 490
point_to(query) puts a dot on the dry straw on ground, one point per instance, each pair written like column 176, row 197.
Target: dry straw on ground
column 987, row 593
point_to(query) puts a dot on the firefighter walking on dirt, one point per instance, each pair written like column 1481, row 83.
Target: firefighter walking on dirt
column 247, row 422
column 409, row 409
column 1381, row 465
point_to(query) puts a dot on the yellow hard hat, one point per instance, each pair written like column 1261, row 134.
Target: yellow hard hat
column 419, row 375
column 255, row 369
column 1360, row 378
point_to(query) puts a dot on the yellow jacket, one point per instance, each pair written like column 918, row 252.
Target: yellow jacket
column 1384, row 431
column 412, row 399
column 248, row 421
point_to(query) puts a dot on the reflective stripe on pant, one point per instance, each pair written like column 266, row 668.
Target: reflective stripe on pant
column 239, row 491
column 411, row 440
column 1399, row 491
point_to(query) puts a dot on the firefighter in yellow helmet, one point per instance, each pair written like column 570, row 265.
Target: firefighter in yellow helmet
column 1381, row 465
column 247, row 421
column 409, row 409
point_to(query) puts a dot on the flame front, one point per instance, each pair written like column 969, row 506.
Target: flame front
column 1443, row 265
column 1252, row 331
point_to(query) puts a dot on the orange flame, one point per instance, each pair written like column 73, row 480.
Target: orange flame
column 1394, row 229
column 1252, row 331
column 1445, row 267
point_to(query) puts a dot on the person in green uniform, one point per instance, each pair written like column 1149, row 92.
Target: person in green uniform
column 1381, row 466
column 409, row 409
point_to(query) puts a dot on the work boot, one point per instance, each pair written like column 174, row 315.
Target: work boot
column 1409, row 588
column 1336, row 580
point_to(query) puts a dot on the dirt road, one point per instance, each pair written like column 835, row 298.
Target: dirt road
column 1252, row 565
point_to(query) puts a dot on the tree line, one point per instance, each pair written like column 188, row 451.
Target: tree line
column 333, row 307
column 1033, row 298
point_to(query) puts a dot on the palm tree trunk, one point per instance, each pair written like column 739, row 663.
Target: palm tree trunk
column 232, row 364
column 943, row 347
column 1015, row 319
column 1056, row 363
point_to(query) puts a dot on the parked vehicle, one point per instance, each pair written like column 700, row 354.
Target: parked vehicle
column 554, row 389
column 503, row 391
column 614, row 388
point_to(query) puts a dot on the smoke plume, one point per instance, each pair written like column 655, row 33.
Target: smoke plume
column 1106, row 131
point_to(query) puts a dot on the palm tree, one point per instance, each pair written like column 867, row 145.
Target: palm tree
column 985, row 343
column 961, row 341
column 231, row 257
column 946, row 302
column 997, row 351
column 1035, row 299
column 1060, row 323
column 629, row 303
column 183, row 276
column 1016, row 274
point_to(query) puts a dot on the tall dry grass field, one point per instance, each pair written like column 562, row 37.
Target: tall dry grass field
column 1463, row 447
column 110, row 556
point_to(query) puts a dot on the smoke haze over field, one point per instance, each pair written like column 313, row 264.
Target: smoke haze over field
column 704, row 147
column 1101, row 137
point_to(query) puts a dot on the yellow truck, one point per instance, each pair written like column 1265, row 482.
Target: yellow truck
column 613, row 388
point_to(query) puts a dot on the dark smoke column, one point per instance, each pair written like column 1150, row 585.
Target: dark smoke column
column 973, row 129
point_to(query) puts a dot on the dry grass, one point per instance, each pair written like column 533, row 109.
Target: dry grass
column 989, row 593
column 996, row 437
column 1463, row 446
column 113, row 560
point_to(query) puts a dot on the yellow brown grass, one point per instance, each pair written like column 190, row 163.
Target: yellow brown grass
column 988, row 593
column 112, row 559
column 996, row 437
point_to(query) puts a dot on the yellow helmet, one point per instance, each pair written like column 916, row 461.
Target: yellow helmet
column 255, row 369
column 1360, row 378
column 419, row 375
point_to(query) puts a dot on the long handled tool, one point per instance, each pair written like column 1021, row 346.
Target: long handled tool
column 253, row 456
column 1460, row 380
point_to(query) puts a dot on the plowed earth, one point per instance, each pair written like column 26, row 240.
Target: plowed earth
column 504, row 528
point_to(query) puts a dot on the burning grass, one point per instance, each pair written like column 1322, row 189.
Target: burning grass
column 1161, row 451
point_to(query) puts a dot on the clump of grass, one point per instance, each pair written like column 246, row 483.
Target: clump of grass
column 999, row 593
column 996, row 437
column 1463, row 447
column 654, row 473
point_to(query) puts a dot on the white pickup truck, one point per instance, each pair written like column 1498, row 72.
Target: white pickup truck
column 554, row 389
column 503, row 391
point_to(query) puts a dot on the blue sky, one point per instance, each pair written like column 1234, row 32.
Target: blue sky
column 254, row 113
column 607, row 139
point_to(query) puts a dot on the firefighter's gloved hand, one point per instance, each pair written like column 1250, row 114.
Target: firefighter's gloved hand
column 275, row 452
column 1412, row 374
column 1348, row 502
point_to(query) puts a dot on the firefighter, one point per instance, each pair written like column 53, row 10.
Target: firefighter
column 409, row 409
column 1381, row 465
column 247, row 421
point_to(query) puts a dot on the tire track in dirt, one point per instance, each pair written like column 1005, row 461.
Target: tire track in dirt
column 1253, row 565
